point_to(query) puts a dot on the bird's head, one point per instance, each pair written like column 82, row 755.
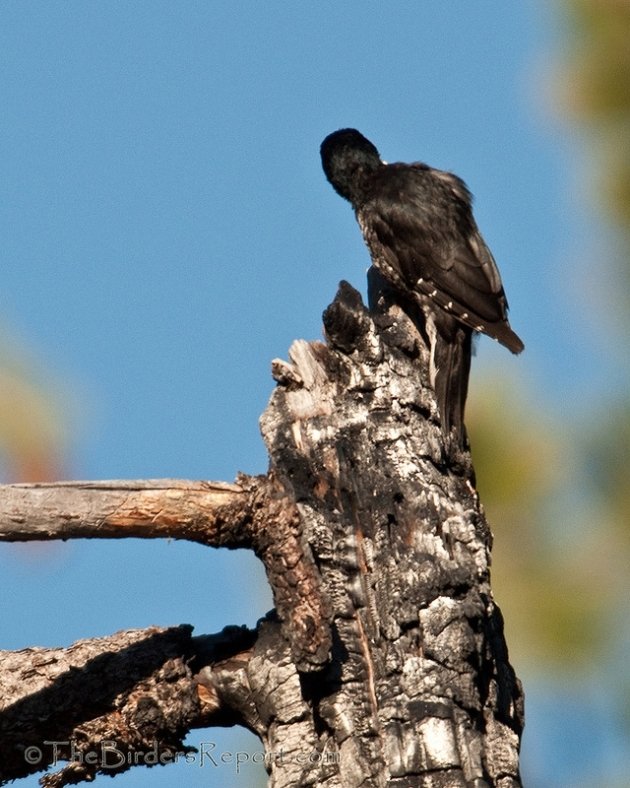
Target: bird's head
column 349, row 160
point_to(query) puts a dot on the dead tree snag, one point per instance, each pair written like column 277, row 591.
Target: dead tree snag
column 384, row 662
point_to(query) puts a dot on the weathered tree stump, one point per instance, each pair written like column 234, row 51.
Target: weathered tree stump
column 384, row 662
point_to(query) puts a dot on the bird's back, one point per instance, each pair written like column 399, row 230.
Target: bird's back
column 419, row 226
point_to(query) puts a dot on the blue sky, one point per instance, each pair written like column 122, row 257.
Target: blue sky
column 167, row 231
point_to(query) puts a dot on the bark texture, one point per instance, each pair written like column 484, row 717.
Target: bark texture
column 419, row 690
column 384, row 662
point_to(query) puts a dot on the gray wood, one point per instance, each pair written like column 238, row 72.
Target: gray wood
column 384, row 661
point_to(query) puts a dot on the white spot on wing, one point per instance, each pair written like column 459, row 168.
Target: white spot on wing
column 432, row 332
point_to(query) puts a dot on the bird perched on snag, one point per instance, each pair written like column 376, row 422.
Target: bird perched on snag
column 418, row 225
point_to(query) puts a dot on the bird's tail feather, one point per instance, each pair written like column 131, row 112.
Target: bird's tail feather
column 504, row 334
column 452, row 367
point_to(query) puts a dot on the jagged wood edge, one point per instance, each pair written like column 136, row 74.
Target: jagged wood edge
column 135, row 693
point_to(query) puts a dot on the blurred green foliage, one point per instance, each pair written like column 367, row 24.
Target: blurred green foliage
column 596, row 87
column 552, row 590
column 558, row 493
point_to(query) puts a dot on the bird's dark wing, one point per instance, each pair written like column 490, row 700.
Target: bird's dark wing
column 421, row 233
